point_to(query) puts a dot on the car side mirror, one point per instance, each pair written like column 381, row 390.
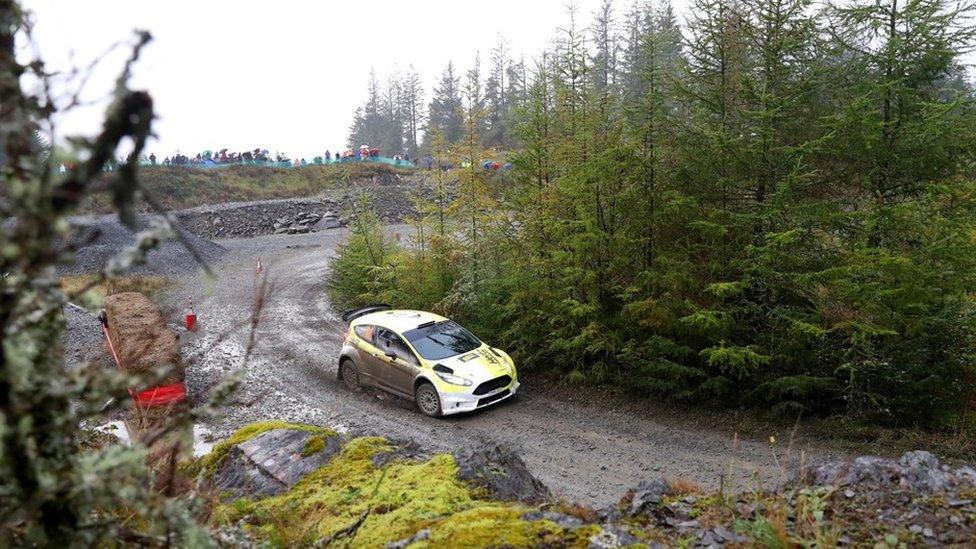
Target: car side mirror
column 391, row 355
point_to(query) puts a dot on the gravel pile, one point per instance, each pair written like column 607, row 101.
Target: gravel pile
column 99, row 238
column 391, row 203
column 247, row 219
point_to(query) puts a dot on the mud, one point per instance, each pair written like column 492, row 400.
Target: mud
column 589, row 450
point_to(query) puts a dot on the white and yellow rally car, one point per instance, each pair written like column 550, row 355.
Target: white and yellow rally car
column 424, row 357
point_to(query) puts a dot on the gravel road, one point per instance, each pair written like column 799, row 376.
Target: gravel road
column 586, row 449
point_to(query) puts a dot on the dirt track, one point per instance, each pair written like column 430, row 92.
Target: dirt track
column 589, row 452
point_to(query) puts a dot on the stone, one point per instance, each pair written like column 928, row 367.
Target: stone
column 917, row 471
column 648, row 494
column 559, row 519
column 403, row 543
column 326, row 222
column 611, row 536
column 500, row 472
column 271, row 462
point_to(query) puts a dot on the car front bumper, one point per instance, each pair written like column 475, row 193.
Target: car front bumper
column 456, row 403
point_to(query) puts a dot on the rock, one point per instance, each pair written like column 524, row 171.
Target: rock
column 399, row 450
column 611, row 536
column 500, row 472
column 723, row 535
column 560, row 519
column 403, row 543
column 610, row 513
column 327, row 222
column 918, row 471
column 281, row 230
column 272, row 462
column 647, row 494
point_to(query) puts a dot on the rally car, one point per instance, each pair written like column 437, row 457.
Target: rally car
column 424, row 357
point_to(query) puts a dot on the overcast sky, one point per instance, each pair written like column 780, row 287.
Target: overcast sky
column 283, row 75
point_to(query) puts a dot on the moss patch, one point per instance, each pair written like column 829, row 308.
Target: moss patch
column 398, row 500
column 314, row 445
column 209, row 463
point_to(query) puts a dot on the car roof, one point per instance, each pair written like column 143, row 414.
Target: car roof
column 398, row 320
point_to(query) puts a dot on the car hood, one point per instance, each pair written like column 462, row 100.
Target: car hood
column 478, row 365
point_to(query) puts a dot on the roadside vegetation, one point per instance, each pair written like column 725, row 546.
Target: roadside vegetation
column 770, row 206
column 369, row 494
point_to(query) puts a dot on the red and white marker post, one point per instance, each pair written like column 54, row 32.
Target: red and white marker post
column 191, row 317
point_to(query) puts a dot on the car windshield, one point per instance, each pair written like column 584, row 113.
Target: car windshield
column 441, row 340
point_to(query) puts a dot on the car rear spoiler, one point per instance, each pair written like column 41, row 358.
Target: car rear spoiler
column 353, row 314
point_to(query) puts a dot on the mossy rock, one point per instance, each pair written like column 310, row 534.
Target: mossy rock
column 274, row 461
column 368, row 495
column 207, row 465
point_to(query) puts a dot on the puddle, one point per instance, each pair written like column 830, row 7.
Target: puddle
column 116, row 429
column 201, row 436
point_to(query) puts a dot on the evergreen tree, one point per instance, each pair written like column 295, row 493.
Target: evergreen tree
column 496, row 97
column 604, row 60
column 412, row 110
column 445, row 107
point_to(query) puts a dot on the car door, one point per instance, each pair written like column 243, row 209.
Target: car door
column 371, row 361
column 400, row 369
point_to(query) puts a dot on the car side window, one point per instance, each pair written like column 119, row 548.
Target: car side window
column 366, row 333
column 389, row 341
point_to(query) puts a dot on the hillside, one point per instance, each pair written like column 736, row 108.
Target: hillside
column 177, row 188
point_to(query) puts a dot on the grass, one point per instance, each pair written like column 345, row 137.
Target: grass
column 177, row 188
column 85, row 284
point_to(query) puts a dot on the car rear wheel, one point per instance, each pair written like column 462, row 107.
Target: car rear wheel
column 428, row 400
column 350, row 376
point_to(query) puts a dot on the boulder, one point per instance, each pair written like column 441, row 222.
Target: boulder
column 918, row 471
column 500, row 472
column 327, row 222
column 647, row 495
column 272, row 462
column 141, row 336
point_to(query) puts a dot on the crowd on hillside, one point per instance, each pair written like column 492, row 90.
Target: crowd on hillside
column 262, row 157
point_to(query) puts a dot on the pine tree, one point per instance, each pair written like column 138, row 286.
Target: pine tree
column 604, row 60
column 496, row 97
column 412, row 109
column 445, row 107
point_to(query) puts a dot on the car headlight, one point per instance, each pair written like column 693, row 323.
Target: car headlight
column 453, row 380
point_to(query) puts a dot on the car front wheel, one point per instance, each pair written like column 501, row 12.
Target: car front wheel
column 428, row 400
